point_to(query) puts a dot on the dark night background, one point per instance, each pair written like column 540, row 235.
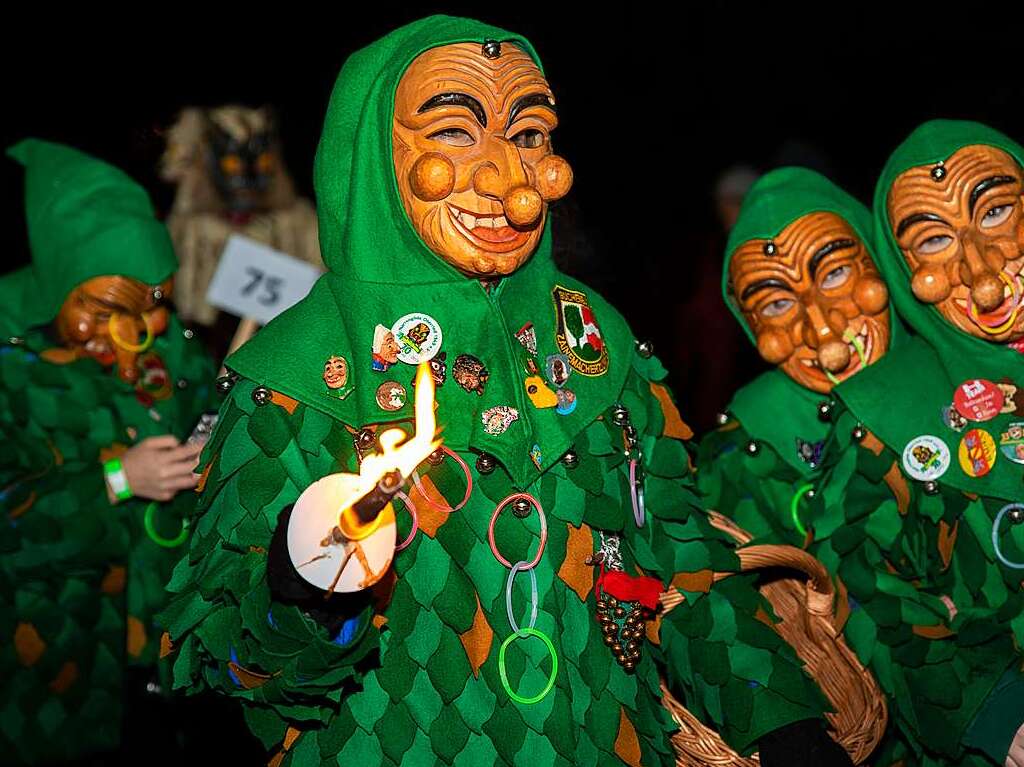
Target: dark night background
column 652, row 109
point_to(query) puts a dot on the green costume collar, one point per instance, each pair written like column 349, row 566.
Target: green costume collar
column 902, row 396
column 85, row 219
column 773, row 408
column 379, row 270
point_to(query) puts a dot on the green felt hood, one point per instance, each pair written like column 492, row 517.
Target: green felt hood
column 379, row 270
column 85, row 219
column 902, row 397
column 773, row 408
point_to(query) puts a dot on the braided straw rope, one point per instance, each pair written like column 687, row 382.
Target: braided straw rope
column 803, row 601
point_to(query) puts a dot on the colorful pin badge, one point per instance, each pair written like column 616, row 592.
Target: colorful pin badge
column 391, row 396
column 385, row 349
column 540, row 395
column 470, row 373
column 978, row 400
column 952, row 418
column 536, row 457
column 497, row 419
column 1011, row 442
column 419, row 338
column 977, row 453
column 577, row 334
column 336, row 377
column 527, row 336
column 1013, row 401
column 926, row 457
column 810, row 452
column 557, row 369
column 566, row 401
column 438, row 370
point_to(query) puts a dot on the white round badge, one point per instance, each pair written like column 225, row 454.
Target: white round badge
column 926, row 457
column 419, row 337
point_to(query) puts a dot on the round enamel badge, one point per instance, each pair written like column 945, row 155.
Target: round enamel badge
column 978, row 399
column 1011, row 442
column 419, row 338
column 391, row 396
column 977, row 453
column 926, row 457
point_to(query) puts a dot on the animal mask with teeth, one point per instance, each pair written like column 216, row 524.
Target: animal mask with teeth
column 472, row 154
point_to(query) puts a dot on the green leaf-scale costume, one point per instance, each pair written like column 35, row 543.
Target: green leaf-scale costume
column 919, row 553
column 414, row 679
column 80, row 580
column 751, row 467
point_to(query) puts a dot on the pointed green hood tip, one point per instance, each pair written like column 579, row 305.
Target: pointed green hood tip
column 85, row 219
column 903, row 395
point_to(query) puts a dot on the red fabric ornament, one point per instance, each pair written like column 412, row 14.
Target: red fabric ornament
column 628, row 588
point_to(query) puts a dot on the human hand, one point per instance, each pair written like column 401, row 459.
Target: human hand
column 158, row 468
column 1015, row 756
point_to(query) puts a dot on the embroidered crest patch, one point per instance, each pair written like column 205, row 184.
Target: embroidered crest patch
column 577, row 333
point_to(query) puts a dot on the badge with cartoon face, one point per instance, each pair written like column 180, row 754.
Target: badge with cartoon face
column 566, row 401
column 335, row 376
column 926, row 458
column 419, row 337
column 470, row 373
column 438, row 370
column 557, row 369
column 385, row 349
column 496, row 420
column 391, row 396
column 1011, row 442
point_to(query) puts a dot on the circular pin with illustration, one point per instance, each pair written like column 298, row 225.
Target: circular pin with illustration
column 926, row 457
column 978, row 400
column 977, row 453
column 391, row 396
column 419, row 337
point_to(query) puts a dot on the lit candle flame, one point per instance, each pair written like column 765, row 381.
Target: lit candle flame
column 394, row 453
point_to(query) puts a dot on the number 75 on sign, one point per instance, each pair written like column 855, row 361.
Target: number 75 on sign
column 256, row 281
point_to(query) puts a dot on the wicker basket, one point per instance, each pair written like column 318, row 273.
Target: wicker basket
column 803, row 602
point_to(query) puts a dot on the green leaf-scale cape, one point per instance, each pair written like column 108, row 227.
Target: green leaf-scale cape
column 931, row 551
column 414, row 678
column 757, row 487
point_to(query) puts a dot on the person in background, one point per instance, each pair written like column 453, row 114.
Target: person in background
column 100, row 389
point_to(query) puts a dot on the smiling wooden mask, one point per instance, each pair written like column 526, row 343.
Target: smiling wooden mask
column 960, row 228
column 814, row 300
column 472, row 153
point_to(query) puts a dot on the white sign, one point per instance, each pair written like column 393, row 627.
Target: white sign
column 254, row 280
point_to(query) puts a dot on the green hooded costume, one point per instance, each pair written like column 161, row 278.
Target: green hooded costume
column 81, row 581
column 762, row 462
column 927, row 551
column 413, row 677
